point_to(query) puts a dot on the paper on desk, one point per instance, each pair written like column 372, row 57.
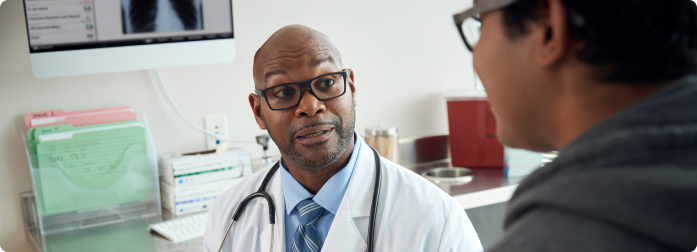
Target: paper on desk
column 95, row 166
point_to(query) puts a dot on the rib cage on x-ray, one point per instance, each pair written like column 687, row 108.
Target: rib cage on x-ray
column 141, row 16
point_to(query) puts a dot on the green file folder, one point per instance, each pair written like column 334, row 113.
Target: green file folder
column 89, row 167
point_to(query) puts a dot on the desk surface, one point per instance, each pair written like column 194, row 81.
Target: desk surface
column 489, row 186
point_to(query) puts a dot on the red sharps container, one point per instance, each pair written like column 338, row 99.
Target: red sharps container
column 472, row 126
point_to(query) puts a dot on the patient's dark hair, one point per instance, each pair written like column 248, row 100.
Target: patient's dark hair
column 632, row 41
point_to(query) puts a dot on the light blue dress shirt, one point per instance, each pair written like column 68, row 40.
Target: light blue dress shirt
column 329, row 197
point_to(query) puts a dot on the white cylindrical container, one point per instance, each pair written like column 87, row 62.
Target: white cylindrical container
column 385, row 140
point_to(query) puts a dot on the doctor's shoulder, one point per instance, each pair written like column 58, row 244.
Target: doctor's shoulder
column 421, row 193
column 223, row 206
column 418, row 205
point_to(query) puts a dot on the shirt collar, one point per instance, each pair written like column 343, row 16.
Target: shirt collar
column 331, row 193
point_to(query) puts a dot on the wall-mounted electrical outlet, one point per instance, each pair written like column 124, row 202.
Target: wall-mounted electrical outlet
column 218, row 125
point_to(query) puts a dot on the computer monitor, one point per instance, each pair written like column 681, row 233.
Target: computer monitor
column 76, row 37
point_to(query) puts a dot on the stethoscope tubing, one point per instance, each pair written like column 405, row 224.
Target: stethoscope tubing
column 261, row 192
column 228, row 230
column 376, row 198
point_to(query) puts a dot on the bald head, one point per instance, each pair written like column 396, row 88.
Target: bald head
column 293, row 47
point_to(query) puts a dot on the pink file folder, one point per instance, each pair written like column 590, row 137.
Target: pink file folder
column 79, row 118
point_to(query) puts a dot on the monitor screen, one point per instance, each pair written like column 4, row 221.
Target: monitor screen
column 144, row 34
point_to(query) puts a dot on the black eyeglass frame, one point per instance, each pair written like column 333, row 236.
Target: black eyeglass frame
column 476, row 11
column 575, row 18
column 302, row 85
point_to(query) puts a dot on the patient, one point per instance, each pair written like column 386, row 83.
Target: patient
column 610, row 84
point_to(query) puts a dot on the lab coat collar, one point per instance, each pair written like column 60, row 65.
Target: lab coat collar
column 359, row 193
column 347, row 233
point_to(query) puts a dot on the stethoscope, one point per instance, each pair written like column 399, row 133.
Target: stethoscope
column 272, row 208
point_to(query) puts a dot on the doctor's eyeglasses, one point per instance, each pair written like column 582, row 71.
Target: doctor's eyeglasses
column 323, row 87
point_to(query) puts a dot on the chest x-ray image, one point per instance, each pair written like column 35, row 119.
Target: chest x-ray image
column 141, row 16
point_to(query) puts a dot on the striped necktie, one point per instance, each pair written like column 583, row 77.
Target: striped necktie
column 306, row 239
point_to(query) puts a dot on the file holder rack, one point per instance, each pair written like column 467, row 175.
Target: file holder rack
column 113, row 207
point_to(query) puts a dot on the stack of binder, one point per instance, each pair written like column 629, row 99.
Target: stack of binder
column 189, row 183
column 87, row 160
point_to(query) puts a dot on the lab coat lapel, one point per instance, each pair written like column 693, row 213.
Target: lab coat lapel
column 344, row 236
column 279, row 241
column 349, row 229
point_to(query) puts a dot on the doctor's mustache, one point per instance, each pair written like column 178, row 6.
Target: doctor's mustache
column 335, row 121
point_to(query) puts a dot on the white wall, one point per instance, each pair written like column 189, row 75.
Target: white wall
column 404, row 53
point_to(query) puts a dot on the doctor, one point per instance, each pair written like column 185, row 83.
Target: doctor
column 323, row 189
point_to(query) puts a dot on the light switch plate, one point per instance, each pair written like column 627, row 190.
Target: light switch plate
column 216, row 124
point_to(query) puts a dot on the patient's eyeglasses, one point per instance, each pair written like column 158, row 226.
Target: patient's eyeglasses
column 468, row 22
column 323, row 87
column 470, row 26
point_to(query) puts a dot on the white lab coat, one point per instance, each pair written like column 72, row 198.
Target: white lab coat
column 413, row 214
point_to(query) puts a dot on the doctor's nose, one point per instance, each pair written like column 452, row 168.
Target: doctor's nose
column 309, row 105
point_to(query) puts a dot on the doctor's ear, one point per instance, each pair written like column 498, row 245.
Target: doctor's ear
column 352, row 86
column 255, row 103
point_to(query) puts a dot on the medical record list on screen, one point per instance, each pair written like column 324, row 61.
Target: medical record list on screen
column 59, row 25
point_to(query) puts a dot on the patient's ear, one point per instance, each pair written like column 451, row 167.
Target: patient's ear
column 255, row 103
column 552, row 35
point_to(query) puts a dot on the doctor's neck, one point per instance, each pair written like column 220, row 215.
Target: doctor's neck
column 314, row 178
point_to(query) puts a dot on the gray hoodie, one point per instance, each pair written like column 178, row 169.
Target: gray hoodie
column 627, row 184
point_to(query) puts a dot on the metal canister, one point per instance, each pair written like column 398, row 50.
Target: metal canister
column 385, row 140
column 548, row 157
